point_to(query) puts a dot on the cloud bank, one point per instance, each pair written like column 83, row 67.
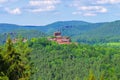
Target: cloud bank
column 43, row 5
column 80, row 7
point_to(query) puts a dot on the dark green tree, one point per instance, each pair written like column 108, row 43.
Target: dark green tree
column 14, row 66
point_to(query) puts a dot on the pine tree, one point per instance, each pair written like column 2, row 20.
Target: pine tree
column 91, row 76
column 14, row 67
column 102, row 77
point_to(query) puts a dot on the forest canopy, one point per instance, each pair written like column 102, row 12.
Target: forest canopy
column 40, row 59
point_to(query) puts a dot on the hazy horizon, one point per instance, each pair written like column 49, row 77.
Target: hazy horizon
column 55, row 22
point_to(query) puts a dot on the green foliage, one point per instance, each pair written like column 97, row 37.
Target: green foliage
column 48, row 60
column 14, row 64
column 107, row 32
column 27, row 34
column 51, row 61
column 91, row 76
column 79, row 31
column 3, row 77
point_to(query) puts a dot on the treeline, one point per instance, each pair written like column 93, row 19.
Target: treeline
column 40, row 59
column 51, row 61
column 14, row 61
column 27, row 34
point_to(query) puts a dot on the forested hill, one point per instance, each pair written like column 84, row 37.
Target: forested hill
column 41, row 59
column 4, row 27
column 80, row 31
column 108, row 32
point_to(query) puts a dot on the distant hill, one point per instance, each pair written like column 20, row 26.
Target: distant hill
column 80, row 31
column 50, row 28
column 108, row 32
column 8, row 27
column 28, row 34
column 12, row 27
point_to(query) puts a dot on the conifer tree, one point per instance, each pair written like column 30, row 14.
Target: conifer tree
column 102, row 77
column 14, row 67
column 91, row 76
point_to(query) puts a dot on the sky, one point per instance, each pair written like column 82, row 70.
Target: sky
column 43, row 12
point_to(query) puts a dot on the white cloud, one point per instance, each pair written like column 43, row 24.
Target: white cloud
column 48, row 8
column 43, row 2
column 107, row 1
column 43, row 5
column 13, row 11
column 89, row 14
column 76, row 13
column 100, row 9
column 84, row 14
column 7, row 1
column 3, row 1
column 87, row 8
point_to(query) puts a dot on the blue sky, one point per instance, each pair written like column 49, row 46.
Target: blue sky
column 42, row 12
